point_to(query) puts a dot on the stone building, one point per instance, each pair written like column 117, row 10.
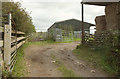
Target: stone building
column 110, row 21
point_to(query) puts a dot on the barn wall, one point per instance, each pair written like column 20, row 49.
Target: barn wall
column 109, row 21
column 111, row 16
column 100, row 23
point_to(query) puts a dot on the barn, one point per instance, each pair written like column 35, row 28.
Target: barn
column 71, row 28
column 107, row 26
column 110, row 21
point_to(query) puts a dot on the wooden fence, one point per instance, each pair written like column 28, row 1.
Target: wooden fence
column 9, row 46
column 10, row 41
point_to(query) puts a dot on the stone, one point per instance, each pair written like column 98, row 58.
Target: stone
column 111, row 16
column 100, row 23
column 92, row 71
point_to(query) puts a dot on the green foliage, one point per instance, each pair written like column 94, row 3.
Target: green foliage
column 67, row 39
column 6, row 74
column 108, row 40
column 20, row 66
column 21, row 19
column 101, row 58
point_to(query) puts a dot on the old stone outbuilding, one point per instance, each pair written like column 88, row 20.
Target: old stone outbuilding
column 109, row 21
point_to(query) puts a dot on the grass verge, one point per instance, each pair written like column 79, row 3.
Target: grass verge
column 61, row 67
column 68, row 40
column 96, row 58
column 20, row 66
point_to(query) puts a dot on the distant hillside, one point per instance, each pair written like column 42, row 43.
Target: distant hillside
column 76, row 25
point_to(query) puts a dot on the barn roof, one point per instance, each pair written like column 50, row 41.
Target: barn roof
column 100, row 2
column 74, row 22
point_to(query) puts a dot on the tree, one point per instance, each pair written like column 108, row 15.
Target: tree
column 21, row 20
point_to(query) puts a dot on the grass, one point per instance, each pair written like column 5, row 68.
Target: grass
column 61, row 67
column 20, row 66
column 98, row 58
column 69, row 40
column 42, row 42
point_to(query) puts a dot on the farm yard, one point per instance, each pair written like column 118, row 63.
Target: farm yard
column 32, row 47
column 56, row 60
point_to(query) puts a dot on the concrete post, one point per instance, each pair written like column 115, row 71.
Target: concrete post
column 9, row 18
column 7, row 45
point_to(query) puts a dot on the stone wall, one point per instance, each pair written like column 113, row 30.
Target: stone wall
column 100, row 23
column 111, row 16
column 109, row 21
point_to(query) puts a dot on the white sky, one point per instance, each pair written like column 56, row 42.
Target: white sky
column 47, row 12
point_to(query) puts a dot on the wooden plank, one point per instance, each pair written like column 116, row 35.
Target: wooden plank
column 19, row 32
column 1, row 29
column 1, row 63
column 12, row 54
column 18, row 45
column 1, row 43
column 12, row 58
column 7, row 45
column 12, row 64
column 18, row 39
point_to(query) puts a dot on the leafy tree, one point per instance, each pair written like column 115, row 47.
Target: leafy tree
column 21, row 20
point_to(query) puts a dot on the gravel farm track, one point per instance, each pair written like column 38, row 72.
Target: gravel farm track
column 40, row 63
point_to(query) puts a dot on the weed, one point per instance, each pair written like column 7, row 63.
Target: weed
column 98, row 58
column 62, row 68
column 19, row 69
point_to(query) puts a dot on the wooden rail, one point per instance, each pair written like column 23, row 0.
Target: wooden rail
column 18, row 39
column 10, row 44
column 1, row 29
column 1, row 43
column 14, row 54
column 18, row 32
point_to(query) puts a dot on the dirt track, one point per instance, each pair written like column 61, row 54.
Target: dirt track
column 40, row 64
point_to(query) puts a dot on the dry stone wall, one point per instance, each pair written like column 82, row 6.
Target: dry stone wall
column 100, row 23
column 109, row 21
column 111, row 16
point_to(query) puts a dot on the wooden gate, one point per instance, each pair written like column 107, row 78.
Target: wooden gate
column 10, row 41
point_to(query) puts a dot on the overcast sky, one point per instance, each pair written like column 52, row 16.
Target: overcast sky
column 47, row 12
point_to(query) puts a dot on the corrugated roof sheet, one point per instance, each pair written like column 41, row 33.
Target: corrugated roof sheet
column 77, row 24
column 99, row 2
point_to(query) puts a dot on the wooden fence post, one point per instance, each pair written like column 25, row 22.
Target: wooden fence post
column 1, row 63
column 7, row 46
column 83, row 33
column 1, row 57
